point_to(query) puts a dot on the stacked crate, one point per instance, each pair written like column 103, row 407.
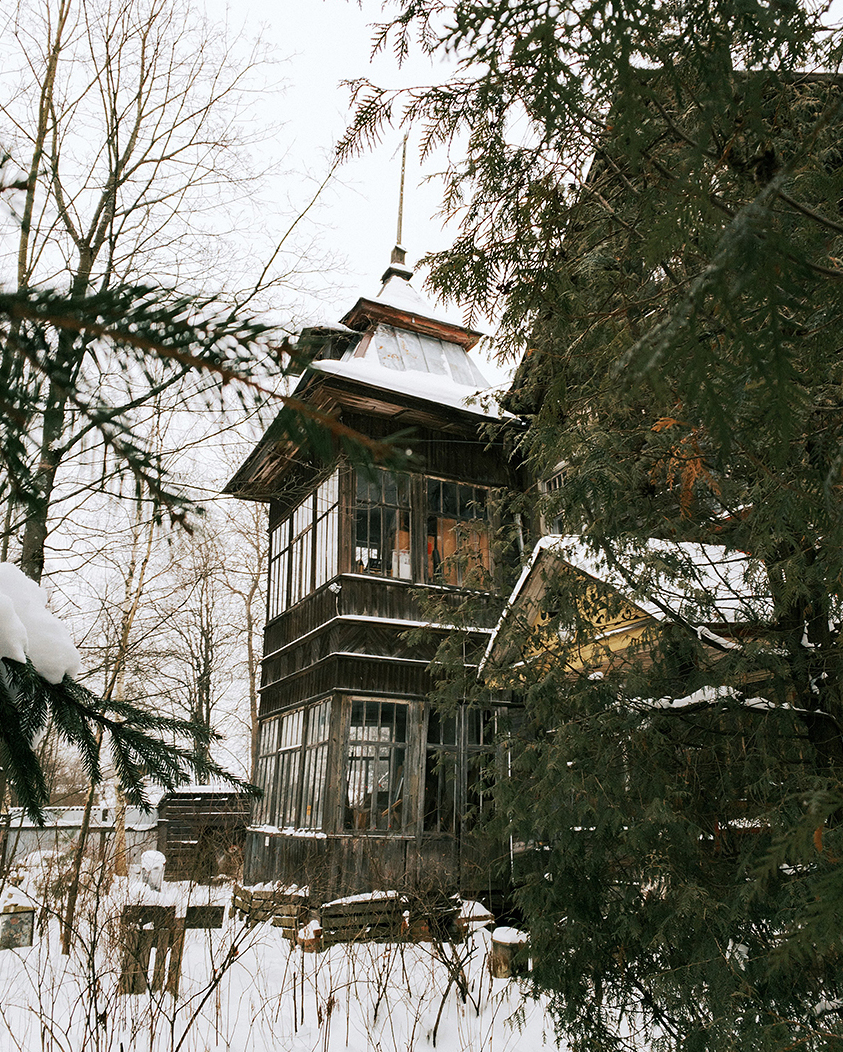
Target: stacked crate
column 363, row 918
column 281, row 907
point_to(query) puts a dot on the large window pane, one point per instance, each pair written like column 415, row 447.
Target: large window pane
column 458, row 752
column 303, row 548
column 316, row 766
column 440, row 796
column 375, row 767
column 458, row 550
column 382, row 525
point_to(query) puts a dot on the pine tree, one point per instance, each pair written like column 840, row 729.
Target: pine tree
column 651, row 200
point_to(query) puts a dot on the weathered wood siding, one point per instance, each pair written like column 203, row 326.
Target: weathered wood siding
column 200, row 832
column 354, row 640
column 337, row 865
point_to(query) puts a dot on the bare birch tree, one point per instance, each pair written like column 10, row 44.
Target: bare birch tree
column 126, row 123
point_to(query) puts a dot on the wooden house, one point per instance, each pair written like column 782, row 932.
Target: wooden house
column 621, row 612
column 365, row 785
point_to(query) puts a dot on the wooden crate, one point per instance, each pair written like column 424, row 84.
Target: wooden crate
column 269, row 906
column 375, row 919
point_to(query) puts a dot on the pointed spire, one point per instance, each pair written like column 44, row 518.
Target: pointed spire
column 397, row 261
column 398, row 233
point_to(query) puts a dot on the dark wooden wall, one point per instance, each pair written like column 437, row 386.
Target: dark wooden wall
column 465, row 452
column 354, row 640
column 336, row 865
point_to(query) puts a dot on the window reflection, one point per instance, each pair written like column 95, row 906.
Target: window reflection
column 458, row 549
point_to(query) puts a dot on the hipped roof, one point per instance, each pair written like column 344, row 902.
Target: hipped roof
column 411, row 364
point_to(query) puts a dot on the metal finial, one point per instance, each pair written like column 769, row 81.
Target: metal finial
column 397, row 261
column 400, row 230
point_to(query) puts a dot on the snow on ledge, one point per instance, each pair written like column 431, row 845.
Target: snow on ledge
column 266, row 830
column 302, row 891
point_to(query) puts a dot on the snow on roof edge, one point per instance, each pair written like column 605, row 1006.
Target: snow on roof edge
column 572, row 549
column 424, row 386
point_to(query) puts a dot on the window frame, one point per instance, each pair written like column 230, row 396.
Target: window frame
column 449, row 787
column 467, row 537
column 293, row 766
column 363, row 757
column 450, row 500
column 304, row 548
column 374, row 508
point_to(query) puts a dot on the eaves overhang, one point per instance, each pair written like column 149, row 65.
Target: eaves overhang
column 367, row 312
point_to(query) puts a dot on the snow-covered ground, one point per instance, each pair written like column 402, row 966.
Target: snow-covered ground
column 251, row 990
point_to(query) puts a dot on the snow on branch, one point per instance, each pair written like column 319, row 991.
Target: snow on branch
column 710, row 696
column 29, row 630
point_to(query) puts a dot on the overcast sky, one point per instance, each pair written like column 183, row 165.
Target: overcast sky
column 318, row 44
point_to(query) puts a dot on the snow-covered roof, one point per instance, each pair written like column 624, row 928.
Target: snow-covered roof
column 397, row 301
column 401, row 345
column 72, row 818
column 397, row 292
column 413, row 363
column 406, row 351
column 195, row 788
column 702, row 583
column 664, row 577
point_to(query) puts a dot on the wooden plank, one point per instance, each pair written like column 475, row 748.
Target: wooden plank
column 143, row 928
column 176, row 952
column 375, row 909
column 204, row 916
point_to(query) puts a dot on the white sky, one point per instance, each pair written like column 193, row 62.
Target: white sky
column 320, row 43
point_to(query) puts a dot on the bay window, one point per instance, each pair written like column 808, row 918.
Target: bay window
column 292, row 768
